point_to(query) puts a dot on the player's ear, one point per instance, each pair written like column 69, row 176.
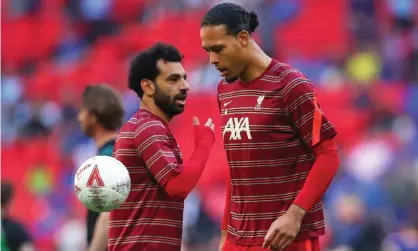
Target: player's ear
column 148, row 87
column 92, row 118
column 244, row 38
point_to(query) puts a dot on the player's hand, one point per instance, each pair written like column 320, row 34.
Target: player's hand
column 204, row 135
column 284, row 230
column 209, row 123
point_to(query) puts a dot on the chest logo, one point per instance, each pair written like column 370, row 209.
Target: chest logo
column 236, row 126
column 259, row 102
column 227, row 103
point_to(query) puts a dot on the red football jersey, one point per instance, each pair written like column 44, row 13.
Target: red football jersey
column 150, row 219
column 269, row 127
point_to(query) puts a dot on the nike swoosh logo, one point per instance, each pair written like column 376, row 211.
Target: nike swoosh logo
column 227, row 103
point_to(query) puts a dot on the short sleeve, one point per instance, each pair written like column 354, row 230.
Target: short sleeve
column 304, row 112
column 155, row 148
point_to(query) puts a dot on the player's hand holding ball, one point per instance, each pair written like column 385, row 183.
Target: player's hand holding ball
column 102, row 183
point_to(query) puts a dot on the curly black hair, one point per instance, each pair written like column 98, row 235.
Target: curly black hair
column 144, row 65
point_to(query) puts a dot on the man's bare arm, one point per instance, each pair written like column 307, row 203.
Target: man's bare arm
column 99, row 241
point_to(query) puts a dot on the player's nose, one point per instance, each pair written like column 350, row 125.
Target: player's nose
column 213, row 58
column 185, row 86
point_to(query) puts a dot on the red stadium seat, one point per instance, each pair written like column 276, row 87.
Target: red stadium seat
column 334, row 99
column 135, row 37
column 47, row 37
column 124, row 11
column 17, row 37
column 319, row 30
column 36, row 152
column 44, row 82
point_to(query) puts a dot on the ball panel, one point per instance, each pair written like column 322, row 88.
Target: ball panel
column 114, row 200
column 113, row 172
column 84, row 198
column 83, row 173
column 116, row 176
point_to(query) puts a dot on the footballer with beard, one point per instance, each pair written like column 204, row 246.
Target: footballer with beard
column 152, row 216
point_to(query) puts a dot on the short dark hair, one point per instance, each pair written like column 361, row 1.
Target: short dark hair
column 233, row 16
column 6, row 192
column 144, row 65
column 105, row 103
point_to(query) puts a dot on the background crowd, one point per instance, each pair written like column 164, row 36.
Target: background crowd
column 362, row 57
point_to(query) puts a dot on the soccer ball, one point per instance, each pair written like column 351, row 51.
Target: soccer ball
column 102, row 183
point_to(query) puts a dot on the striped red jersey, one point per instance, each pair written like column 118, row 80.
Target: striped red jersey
column 150, row 219
column 269, row 128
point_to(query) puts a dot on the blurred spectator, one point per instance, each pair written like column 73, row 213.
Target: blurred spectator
column 406, row 239
column 362, row 57
column 15, row 235
column 71, row 235
column 363, row 14
column 363, row 67
column 403, row 12
column 35, row 126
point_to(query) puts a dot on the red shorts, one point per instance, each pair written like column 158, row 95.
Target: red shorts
column 308, row 245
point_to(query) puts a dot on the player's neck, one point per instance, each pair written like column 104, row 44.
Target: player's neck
column 258, row 64
column 102, row 136
column 154, row 109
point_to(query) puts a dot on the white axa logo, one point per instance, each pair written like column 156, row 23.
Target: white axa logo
column 235, row 127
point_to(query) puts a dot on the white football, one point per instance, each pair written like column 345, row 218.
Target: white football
column 102, row 183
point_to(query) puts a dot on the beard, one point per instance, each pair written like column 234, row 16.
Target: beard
column 230, row 80
column 88, row 130
column 168, row 104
